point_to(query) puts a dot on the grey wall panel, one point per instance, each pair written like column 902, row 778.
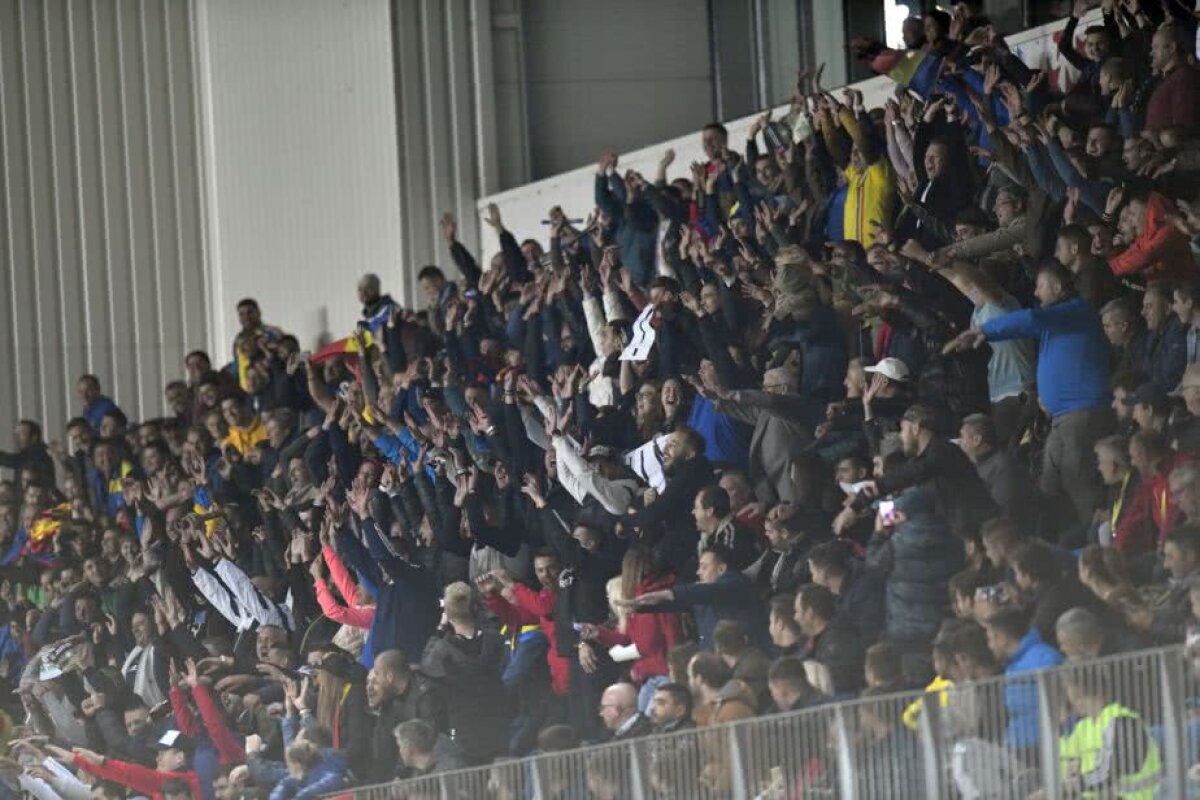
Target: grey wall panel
column 101, row 248
column 441, row 119
column 616, row 74
column 300, row 150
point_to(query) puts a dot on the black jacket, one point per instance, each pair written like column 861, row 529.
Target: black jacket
column 916, row 561
column 642, row 726
column 667, row 523
column 467, row 670
column 840, row 650
column 961, row 495
column 419, row 701
column 1010, row 485
column 860, row 602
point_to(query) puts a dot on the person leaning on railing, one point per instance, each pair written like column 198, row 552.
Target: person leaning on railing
column 1109, row 751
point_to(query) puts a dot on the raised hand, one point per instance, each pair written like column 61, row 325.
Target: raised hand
column 449, row 227
column 1116, row 196
column 531, row 488
column 492, row 217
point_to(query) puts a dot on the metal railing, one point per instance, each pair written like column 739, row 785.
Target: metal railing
column 1115, row 727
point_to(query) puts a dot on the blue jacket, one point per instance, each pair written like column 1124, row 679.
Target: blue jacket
column 726, row 441
column 1020, row 696
column 406, row 606
column 94, row 413
column 733, row 596
column 637, row 227
column 327, row 776
column 1072, row 372
column 1164, row 354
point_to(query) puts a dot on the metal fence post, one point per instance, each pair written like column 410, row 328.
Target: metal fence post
column 636, row 788
column 1047, row 697
column 1171, row 669
column 933, row 751
column 847, row 785
column 737, row 770
column 535, row 777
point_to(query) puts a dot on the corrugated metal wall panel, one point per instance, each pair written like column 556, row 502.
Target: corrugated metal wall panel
column 101, row 256
column 301, row 145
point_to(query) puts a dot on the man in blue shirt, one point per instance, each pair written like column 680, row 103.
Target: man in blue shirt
column 1072, row 381
column 1019, row 647
column 95, row 405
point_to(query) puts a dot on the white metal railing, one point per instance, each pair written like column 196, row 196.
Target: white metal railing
column 997, row 739
column 525, row 207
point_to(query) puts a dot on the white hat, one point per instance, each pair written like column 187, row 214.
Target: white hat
column 892, row 368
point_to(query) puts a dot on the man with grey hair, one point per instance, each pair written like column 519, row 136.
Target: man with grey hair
column 1185, row 433
column 1126, row 333
column 619, row 711
column 423, row 751
column 1184, row 483
column 783, row 424
column 1080, row 635
column 1007, row 479
column 377, row 307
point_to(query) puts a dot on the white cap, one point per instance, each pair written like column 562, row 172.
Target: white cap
column 892, row 368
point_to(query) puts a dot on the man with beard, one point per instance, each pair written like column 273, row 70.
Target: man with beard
column 396, row 694
column 961, row 493
column 666, row 523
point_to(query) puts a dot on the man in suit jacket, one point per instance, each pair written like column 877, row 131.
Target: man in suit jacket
column 783, row 424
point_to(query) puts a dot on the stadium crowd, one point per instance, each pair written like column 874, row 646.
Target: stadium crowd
column 878, row 399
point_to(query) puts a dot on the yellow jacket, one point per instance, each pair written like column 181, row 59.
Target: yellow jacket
column 243, row 439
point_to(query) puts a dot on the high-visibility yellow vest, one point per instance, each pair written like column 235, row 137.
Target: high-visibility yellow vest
column 1086, row 744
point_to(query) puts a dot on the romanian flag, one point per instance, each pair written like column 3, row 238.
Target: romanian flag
column 912, row 69
column 343, row 348
column 46, row 526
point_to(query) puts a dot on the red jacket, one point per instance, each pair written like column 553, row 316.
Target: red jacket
column 1175, row 101
column 142, row 780
column 654, row 634
column 229, row 749
column 1152, row 510
column 350, row 613
column 1162, row 251
column 534, row 608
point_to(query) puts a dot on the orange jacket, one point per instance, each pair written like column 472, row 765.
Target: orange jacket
column 1162, row 251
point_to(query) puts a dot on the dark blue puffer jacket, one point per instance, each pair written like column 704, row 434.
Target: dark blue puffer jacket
column 916, row 563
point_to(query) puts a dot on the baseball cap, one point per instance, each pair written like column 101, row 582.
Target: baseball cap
column 892, row 368
column 1150, row 394
column 174, row 740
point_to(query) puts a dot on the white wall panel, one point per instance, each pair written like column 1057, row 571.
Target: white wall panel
column 101, row 265
column 302, row 183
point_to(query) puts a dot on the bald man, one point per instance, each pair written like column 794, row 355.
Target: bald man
column 397, row 694
column 619, row 711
